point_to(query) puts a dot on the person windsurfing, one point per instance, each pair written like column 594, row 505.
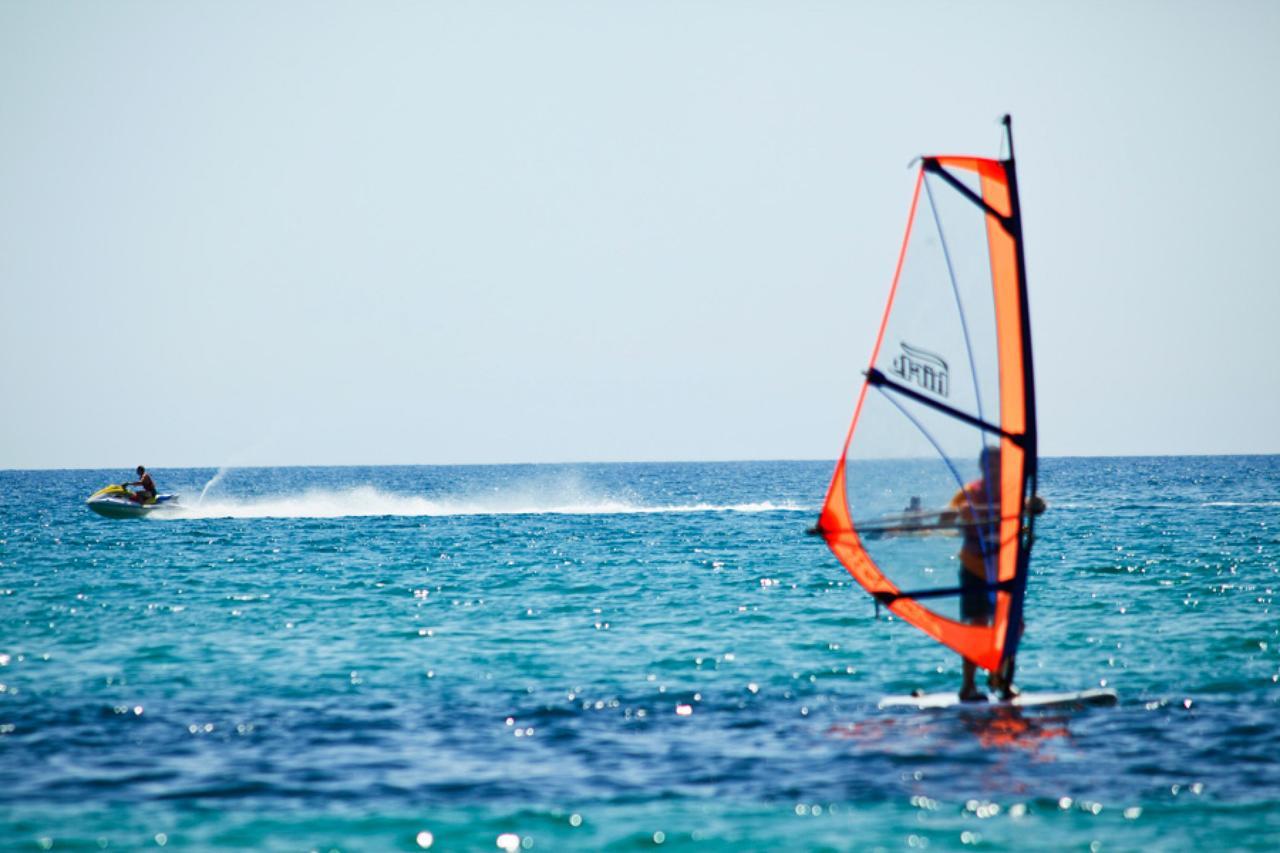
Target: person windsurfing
column 976, row 508
column 147, row 494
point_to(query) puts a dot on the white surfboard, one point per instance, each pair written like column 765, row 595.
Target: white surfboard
column 1093, row 697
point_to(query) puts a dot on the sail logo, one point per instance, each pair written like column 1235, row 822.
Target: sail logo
column 923, row 368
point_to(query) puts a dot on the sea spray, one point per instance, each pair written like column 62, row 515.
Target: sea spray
column 367, row 501
column 213, row 481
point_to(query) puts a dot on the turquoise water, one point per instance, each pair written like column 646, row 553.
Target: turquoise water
column 618, row 656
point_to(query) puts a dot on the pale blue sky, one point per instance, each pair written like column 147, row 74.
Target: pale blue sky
column 318, row 233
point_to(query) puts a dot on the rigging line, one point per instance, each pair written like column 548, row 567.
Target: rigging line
column 1007, row 137
column 955, row 290
column 941, row 454
column 875, row 377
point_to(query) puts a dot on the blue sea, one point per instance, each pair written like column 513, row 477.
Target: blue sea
column 623, row 657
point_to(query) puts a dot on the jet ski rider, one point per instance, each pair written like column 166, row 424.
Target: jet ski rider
column 148, row 492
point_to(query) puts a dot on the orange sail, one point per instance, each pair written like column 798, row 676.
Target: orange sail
column 928, row 507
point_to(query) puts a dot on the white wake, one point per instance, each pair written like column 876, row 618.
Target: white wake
column 367, row 501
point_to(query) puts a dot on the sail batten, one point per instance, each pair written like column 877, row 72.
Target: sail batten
column 950, row 431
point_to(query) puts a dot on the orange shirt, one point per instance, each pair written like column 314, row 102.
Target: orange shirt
column 973, row 505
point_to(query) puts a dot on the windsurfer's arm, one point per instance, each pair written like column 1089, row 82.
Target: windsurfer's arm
column 951, row 515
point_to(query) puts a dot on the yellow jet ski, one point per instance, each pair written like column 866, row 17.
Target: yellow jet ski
column 118, row 502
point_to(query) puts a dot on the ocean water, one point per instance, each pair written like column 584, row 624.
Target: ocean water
column 619, row 657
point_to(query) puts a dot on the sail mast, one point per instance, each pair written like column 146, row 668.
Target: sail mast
column 1029, row 395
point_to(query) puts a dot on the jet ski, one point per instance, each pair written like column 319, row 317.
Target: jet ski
column 116, row 502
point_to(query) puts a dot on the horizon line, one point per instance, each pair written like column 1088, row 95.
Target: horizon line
column 829, row 460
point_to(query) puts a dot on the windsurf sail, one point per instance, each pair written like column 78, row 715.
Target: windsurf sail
column 944, row 426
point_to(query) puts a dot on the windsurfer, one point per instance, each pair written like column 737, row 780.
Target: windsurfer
column 976, row 508
column 147, row 494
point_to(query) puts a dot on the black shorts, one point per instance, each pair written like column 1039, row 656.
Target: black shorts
column 975, row 598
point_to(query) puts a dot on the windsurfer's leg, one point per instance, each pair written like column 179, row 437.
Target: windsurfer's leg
column 997, row 679
column 1009, row 666
column 1002, row 679
column 973, row 611
column 969, row 691
column 1007, row 690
